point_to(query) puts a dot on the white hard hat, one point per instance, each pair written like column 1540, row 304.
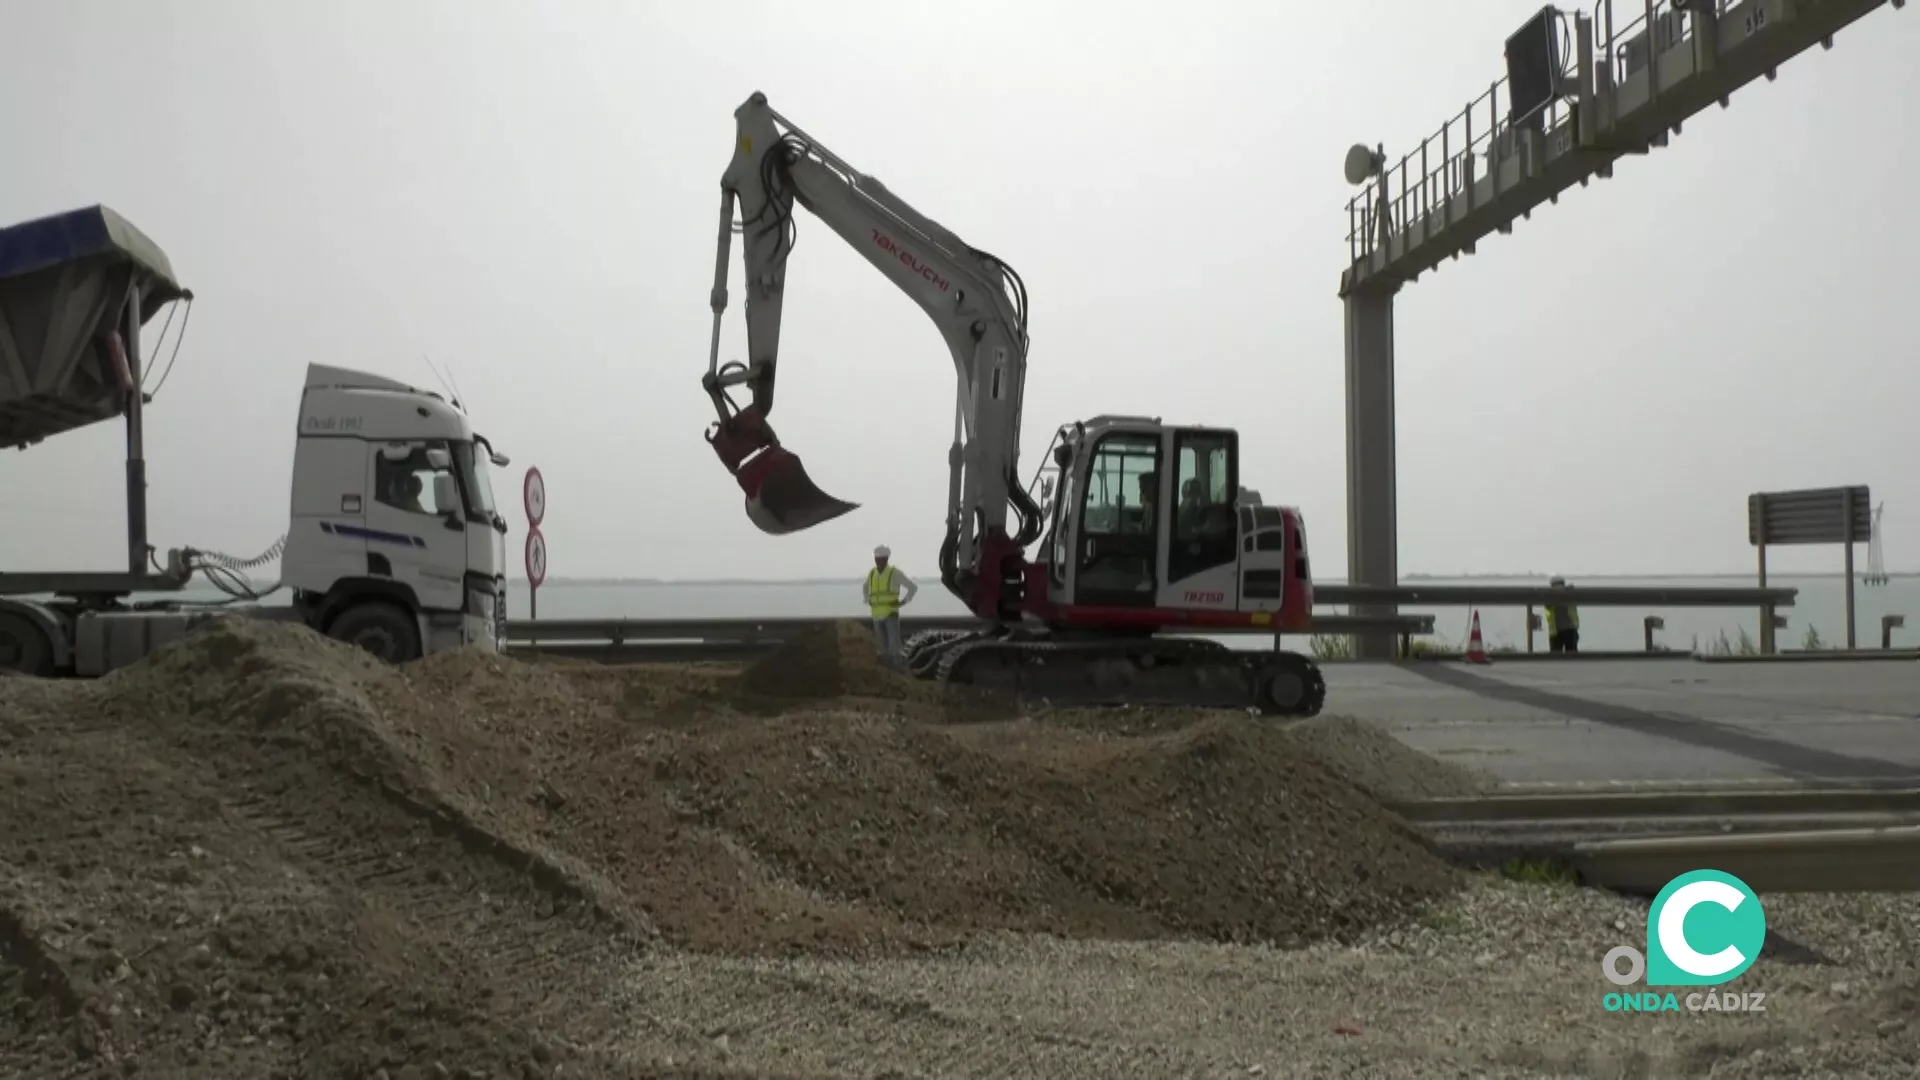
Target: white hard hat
column 881, row 552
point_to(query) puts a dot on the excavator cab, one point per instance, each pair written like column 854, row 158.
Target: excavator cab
column 1151, row 528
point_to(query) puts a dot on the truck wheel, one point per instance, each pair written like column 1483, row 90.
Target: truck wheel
column 386, row 631
column 24, row 649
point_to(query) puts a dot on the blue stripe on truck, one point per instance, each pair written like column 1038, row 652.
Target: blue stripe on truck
column 372, row 536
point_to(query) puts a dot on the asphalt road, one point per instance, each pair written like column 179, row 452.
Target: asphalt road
column 1650, row 723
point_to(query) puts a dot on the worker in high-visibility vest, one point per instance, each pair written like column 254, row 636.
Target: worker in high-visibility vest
column 1563, row 622
column 881, row 592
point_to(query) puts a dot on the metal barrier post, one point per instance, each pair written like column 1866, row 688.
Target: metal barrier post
column 1766, row 610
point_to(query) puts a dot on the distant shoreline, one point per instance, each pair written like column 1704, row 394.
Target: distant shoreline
column 1575, row 578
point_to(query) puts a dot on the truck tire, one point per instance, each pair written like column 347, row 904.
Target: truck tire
column 24, row 649
column 383, row 629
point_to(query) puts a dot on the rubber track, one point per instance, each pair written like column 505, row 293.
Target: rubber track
column 1189, row 653
column 921, row 651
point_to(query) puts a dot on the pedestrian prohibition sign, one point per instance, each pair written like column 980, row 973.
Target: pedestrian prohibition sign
column 536, row 558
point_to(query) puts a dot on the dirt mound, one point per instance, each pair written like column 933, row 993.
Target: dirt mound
column 261, row 848
column 837, row 662
column 828, row 661
column 216, row 868
column 1223, row 831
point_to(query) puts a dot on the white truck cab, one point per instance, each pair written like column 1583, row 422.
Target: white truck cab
column 394, row 545
column 395, row 542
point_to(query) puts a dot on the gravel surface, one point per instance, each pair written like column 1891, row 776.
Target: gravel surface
column 1503, row 983
column 262, row 854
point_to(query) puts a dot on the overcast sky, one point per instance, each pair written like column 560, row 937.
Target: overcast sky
column 526, row 192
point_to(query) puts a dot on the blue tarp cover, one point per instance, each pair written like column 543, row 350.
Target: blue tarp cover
column 94, row 232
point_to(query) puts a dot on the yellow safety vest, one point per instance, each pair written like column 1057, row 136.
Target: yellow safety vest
column 883, row 592
column 1554, row 614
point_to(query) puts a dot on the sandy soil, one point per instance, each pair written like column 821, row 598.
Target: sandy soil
column 262, row 854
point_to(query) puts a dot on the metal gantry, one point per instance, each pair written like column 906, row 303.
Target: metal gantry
column 1618, row 81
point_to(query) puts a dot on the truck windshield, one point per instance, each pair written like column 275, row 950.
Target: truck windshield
column 474, row 480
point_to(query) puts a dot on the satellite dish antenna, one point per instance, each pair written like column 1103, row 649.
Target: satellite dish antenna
column 1362, row 163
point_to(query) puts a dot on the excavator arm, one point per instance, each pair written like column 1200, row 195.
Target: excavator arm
column 976, row 302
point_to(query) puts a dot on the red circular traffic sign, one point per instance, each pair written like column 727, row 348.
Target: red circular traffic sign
column 536, row 557
column 533, row 496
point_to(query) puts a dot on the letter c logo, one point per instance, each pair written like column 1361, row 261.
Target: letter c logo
column 1673, row 928
column 1705, row 928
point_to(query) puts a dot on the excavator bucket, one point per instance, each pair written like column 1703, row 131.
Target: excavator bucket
column 781, row 497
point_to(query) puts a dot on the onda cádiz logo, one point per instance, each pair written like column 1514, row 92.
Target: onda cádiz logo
column 1705, row 928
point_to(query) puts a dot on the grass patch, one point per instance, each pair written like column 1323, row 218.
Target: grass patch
column 1540, row 871
column 1744, row 645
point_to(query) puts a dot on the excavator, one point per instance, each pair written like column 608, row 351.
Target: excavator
column 1145, row 537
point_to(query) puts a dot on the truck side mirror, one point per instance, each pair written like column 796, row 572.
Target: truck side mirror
column 446, row 493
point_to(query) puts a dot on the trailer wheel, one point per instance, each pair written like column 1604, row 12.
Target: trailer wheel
column 24, row 648
column 385, row 630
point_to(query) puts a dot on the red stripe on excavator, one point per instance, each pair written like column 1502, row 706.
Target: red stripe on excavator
column 753, row 475
column 1137, row 617
column 1297, row 594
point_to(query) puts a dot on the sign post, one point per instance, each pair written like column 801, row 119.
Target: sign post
column 1837, row 515
column 533, row 493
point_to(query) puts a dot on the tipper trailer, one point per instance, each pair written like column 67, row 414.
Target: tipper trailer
column 394, row 541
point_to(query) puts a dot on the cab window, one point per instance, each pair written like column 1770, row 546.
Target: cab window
column 1120, row 486
column 407, row 484
column 1117, row 522
column 1204, row 530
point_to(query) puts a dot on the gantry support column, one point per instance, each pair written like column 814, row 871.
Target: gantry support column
column 1373, row 529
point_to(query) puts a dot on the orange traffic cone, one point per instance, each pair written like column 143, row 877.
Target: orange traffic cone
column 1476, row 646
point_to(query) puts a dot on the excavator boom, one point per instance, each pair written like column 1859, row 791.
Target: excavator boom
column 975, row 301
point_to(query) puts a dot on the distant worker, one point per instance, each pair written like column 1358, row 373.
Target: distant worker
column 1563, row 622
column 881, row 591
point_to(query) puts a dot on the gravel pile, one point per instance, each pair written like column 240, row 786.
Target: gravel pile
column 832, row 660
column 262, row 854
column 260, row 846
column 1382, row 765
column 216, row 864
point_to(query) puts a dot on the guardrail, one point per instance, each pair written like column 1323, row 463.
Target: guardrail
column 730, row 638
column 1534, row 597
column 1730, row 596
column 737, row 638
